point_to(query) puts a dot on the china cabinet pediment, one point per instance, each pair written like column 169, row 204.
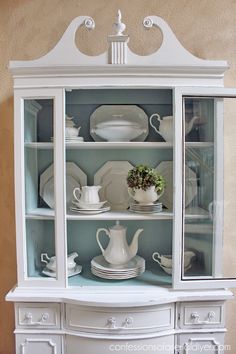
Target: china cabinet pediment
column 87, row 273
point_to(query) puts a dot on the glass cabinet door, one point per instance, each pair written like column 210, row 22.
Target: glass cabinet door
column 35, row 130
column 208, row 242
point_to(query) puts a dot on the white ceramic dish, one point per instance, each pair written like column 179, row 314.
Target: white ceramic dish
column 117, row 132
column 105, row 270
column 146, row 208
column 112, row 177
column 75, row 177
column 165, row 168
column 101, row 264
column 117, row 277
column 75, row 271
column 90, row 211
column 119, row 123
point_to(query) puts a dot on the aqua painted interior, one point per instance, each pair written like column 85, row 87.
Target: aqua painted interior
column 156, row 236
column 153, row 276
column 203, row 128
column 80, row 104
column 36, row 162
column 202, row 245
column 38, row 128
column 90, row 161
column 40, row 238
column 201, row 161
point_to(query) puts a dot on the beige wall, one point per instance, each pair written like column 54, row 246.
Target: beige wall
column 29, row 28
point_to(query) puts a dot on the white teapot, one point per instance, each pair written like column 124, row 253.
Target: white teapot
column 166, row 126
column 118, row 252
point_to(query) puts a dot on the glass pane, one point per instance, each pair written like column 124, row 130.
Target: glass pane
column 208, row 242
column 39, row 187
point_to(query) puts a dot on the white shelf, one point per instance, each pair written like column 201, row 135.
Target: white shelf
column 201, row 229
column 196, row 213
column 102, row 145
column 41, row 214
column 117, row 145
column 121, row 215
column 46, row 213
column 198, row 145
column 42, row 146
column 49, row 214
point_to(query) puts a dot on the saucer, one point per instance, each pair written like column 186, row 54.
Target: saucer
column 74, row 271
column 89, row 206
column 90, row 211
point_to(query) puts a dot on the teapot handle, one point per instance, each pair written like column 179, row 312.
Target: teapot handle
column 156, row 259
column 97, row 237
column 158, row 118
column 74, row 193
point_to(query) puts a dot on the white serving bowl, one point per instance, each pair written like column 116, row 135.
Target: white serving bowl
column 118, row 131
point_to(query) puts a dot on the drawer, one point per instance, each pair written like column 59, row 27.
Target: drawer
column 35, row 315
column 80, row 345
column 202, row 314
column 120, row 320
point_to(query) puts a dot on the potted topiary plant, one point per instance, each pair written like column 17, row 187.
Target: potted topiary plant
column 145, row 185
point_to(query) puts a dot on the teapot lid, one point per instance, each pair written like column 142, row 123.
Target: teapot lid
column 117, row 226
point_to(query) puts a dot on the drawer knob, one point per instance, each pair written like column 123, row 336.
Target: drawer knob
column 195, row 317
column 29, row 318
column 128, row 321
column 111, row 322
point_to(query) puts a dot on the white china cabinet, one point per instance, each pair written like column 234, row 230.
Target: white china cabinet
column 111, row 98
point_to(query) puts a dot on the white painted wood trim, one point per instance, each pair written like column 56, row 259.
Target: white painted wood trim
column 19, row 169
column 60, row 186
column 177, row 180
column 66, row 54
column 218, row 203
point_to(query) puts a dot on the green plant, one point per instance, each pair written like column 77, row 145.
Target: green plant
column 143, row 177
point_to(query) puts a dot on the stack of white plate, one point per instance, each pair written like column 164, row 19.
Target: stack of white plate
column 92, row 208
column 146, row 208
column 101, row 268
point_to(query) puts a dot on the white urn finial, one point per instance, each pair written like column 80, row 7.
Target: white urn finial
column 119, row 26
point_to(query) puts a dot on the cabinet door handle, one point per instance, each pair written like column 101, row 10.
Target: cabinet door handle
column 29, row 318
column 195, row 317
column 111, row 322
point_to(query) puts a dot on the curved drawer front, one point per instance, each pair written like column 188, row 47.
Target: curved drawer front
column 32, row 315
column 202, row 314
column 120, row 320
column 154, row 345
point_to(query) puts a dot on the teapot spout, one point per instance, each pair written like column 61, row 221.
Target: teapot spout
column 133, row 247
column 189, row 125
